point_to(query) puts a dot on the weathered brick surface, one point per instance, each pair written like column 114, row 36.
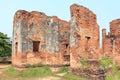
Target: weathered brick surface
column 85, row 35
column 38, row 38
column 111, row 42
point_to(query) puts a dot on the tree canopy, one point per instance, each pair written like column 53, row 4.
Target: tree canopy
column 5, row 45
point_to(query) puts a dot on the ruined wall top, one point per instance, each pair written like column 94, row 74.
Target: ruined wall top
column 115, row 27
column 34, row 16
column 83, row 16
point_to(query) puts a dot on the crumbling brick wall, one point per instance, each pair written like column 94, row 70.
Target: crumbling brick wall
column 106, row 43
column 84, row 40
column 38, row 38
column 111, row 42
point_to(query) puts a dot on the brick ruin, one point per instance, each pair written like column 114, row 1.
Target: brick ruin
column 38, row 38
column 111, row 41
column 84, row 40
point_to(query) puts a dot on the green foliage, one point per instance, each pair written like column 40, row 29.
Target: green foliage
column 63, row 69
column 31, row 72
column 83, row 61
column 113, row 76
column 113, row 73
column 11, row 71
column 5, row 46
column 33, row 65
column 84, row 65
column 106, row 62
column 71, row 76
column 36, row 72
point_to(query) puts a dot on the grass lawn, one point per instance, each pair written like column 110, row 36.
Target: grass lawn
column 41, row 73
column 45, row 73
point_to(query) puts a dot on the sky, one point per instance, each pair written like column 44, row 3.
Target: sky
column 105, row 10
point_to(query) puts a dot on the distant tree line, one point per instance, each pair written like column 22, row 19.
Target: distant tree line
column 5, row 45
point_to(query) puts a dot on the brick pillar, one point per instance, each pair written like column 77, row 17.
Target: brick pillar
column 103, row 33
column 103, row 38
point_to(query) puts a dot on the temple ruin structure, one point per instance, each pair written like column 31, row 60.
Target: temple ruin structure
column 84, row 40
column 111, row 41
column 38, row 38
column 48, row 40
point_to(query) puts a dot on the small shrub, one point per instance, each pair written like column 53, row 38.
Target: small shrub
column 106, row 62
column 63, row 69
column 83, row 61
column 113, row 73
column 84, row 65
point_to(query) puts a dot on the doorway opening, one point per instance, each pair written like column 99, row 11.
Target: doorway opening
column 36, row 46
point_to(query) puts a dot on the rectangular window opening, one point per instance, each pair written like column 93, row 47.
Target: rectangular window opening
column 87, row 41
column 16, row 47
column 36, row 46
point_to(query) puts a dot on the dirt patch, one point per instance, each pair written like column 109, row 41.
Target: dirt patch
column 50, row 78
column 3, row 66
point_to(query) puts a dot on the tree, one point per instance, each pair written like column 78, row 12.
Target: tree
column 5, row 45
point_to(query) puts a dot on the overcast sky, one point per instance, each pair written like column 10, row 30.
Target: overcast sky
column 106, row 10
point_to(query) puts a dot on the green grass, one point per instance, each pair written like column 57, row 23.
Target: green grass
column 33, row 65
column 106, row 62
column 113, row 76
column 31, row 72
column 113, row 73
column 39, row 72
column 11, row 71
column 71, row 76
column 63, row 69
column 83, row 61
